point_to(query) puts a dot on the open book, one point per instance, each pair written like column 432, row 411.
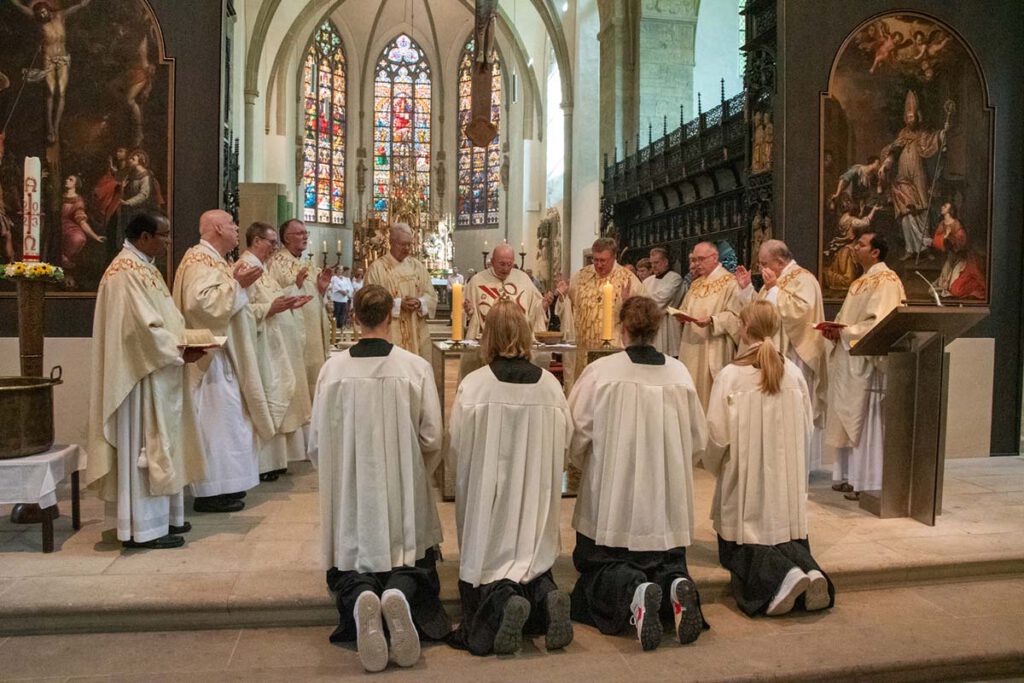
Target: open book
column 675, row 311
column 201, row 339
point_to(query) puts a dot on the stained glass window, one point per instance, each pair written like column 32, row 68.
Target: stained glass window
column 401, row 124
column 479, row 167
column 323, row 147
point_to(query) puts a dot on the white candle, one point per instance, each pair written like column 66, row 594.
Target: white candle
column 456, row 311
column 339, row 246
column 325, row 247
column 607, row 313
column 31, row 210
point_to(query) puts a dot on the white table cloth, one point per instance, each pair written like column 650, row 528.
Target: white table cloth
column 34, row 479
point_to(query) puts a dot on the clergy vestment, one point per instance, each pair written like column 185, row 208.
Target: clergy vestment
column 756, row 451
column 376, row 418
column 282, row 367
column 856, row 386
column 407, row 278
column 143, row 447
column 797, row 298
column 230, row 401
column 666, row 290
column 510, row 430
column 283, row 268
column 639, row 428
column 706, row 350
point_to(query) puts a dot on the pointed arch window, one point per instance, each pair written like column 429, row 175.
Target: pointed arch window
column 479, row 168
column 401, row 127
column 324, row 117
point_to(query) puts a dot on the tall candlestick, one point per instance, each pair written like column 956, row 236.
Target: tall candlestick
column 31, row 209
column 456, row 311
column 608, row 294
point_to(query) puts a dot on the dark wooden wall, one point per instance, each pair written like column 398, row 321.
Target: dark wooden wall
column 810, row 33
column 192, row 35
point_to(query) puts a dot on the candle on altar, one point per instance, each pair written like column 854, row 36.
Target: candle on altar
column 456, row 311
column 32, row 220
column 608, row 295
column 325, row 246
column 339, row 246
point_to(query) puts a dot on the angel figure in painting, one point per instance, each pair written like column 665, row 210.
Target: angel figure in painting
column 883, row 44
column 56, row 60
column 926, row 50
column 961, row 276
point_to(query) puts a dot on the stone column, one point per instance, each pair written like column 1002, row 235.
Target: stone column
column 667, row 37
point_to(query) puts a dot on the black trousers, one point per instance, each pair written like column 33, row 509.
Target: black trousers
column 419, row 584
column 609, row 576
column 758, row 571
column 482, row 609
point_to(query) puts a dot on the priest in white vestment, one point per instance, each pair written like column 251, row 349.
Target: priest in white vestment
column 639, row 429
column 501, row 281
column 796, row 295
column 290, row 267
column 759, row 420
column 408, row 281
column 227, row 389
column 711, row 321
column 282, row 365
column 510, row 430
column 376, row 422
column 856, row 384
column 143, row 447
column 665, row 286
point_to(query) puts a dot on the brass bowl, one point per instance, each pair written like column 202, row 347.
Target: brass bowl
column 548, row 337
column 26, row 404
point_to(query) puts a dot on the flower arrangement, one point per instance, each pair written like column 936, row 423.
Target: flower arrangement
column 20, row 270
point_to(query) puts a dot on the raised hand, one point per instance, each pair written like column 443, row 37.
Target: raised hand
column 246, row 274
column 300, row 279
column 743, row 277
column 324, row 279
column 769, row 276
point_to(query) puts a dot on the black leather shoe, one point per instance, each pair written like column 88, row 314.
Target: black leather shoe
column 168, row 541
column 183, row 529
column 269, row 476
column 217, row 504
column 238, row 495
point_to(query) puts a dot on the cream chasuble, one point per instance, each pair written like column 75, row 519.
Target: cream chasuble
column 283, row 371
column 485, row 289
column 408, row 278
column 136, row 332
column 639, row 429
column 282, row 268
column 375, row 422
column 509, row 442
column 706, row 350
column 666, row 290
column 755, row 449
column 871, row 297
column 797, row 297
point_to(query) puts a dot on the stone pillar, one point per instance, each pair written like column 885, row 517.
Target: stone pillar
column 667, row 37
column 258, row 202
column 250, row 147
column 619, row 83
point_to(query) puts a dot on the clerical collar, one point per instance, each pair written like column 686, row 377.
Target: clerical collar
column 789, row 267
column 645, row 354
column 515, row 370
column 133, row 249
column 251, row 258
column 207, row 245
column 371, row 348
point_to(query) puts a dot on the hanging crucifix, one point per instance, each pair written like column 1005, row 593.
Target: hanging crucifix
column 480, row 130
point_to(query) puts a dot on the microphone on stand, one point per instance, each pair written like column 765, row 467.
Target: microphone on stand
column 931, row 287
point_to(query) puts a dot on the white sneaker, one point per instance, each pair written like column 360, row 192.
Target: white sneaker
column 686, row 610
column 370, row 641
column 791, row 588
column 405, row 640
column 645, row 606
column 816, row 596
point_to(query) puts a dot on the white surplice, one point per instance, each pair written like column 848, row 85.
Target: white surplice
column 509, row 441
column 639, row 428
column 666, row 290
column 375, row 422
column 756, row 446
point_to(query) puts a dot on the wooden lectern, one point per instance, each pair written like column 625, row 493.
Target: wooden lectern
column 914, row 339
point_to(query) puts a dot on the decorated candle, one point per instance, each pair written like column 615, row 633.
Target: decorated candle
column 456, row 311
column 32, row 219
column 608, row 295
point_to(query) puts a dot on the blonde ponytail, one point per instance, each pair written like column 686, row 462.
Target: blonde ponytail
column 761, row 323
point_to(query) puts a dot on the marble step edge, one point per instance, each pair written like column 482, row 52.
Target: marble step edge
column 314, row 606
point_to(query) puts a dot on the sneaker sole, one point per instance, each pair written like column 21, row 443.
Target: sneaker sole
column 651, row 631
column 509, row 637
column 785, row 605
column 816, row 595
column 559, row 632
column 405, row 640
column 370, row 643
column 691, row 622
